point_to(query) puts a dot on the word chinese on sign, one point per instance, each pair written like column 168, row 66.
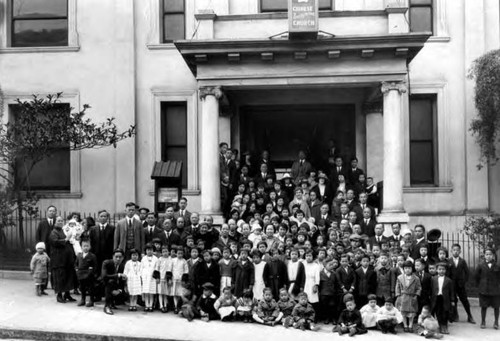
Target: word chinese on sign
column 303, row 19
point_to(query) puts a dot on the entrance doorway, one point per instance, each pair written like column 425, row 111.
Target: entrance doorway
column 286, row 129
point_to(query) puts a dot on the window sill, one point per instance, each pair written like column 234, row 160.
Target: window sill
column 430, row 189
column 439, row 39
column 42, row 49
column 186, row 192
column 59, row 195
column 164, row 46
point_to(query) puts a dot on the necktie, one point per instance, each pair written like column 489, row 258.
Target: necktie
column 102, row 227
column 182, row 213
column 378, row 239
column 338, row 169
column 50, row 222
column 366, row 221
column 129, row 223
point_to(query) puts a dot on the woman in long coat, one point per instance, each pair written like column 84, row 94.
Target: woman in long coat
column 62, row 262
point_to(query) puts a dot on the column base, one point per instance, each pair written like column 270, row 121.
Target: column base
column 387, row 218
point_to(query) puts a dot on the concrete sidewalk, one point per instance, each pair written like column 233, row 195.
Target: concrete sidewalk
column 23, row 315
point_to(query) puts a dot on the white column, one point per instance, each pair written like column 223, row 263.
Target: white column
column 209, row 169
column 393, row 206
column 374, row 134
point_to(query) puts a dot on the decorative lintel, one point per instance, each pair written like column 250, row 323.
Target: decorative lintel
column 373, row 107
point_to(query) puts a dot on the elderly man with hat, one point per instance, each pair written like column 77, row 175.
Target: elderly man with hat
column 301, row 168
column 287, row 185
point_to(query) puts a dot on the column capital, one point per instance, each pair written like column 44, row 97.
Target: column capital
column 373, row 107
column 205, row 91
column 388, row 86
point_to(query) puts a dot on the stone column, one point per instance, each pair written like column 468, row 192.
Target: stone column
column 374, row 138
column 393, row 206
column 209, row 168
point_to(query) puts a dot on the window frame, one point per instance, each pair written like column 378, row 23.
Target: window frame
column 160, row 95
column 6, row 31
column 24, row 18
column 163, row 14
column 164, row 124
column 432, row 6
column 73, row 100
column 433, row 141
column 443, row 180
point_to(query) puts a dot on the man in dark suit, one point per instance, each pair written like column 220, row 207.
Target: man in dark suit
column 378, row 238
column 418, row 242
column 261, row 177
column 442, row 296
column 396, row 237
column 223, row 147
column 368, row 223
column 265, row 158
column 459, row 274
column 194, row 223
column 102, row 238
column 114, row 281
column 151, row 231
column 129, row 233
column 301, row 168
column 336, row 170
column 224, row 240
column 351, row 202
column 324, row 217
column 353, row 172
column 183, row 212
column 229, row 168
column 169, row 237
column 45, row 227
column 181, row 230
column 86, row 270
column 360, row 207
column 143, row 213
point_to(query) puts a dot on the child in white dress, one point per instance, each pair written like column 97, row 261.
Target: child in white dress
column 163, row 266
column 133, row 272
column 311, row 285
column 178, row 274
column 149, row 285
column 259, row 267
column 369, row 312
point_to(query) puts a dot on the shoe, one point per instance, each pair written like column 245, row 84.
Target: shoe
column 393, row 331
column 81, row 303
column 108, row 310
column 44, row 293
column 445, row 330
column 134, row 308
column 176, row 311
column 495, row 326
column 130, row 309
column 68, row 298
column 327, row 322
column 89, row 304
column 60, row 299
column 76, row 292
column 352, row 332
column 483, row 325
column 384, row 331
column 470, row 319
column 112, row 306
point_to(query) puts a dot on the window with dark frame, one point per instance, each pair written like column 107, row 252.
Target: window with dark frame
column 174, row 20
column 282, row 5
column 423, row 140
column 421, row 17
column 174, row 135
column 39, row 23
column 52, row 173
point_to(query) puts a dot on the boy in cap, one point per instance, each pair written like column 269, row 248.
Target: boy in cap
column 350, row 320
column 206, row 303
column 39, row 266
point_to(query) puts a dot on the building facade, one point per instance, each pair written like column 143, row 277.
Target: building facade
column 385, row 78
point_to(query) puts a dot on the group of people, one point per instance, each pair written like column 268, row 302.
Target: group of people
column 296, row 260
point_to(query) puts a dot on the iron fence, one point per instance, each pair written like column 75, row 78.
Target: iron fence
column 11, row 240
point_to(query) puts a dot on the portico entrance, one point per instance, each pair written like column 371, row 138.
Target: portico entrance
column 283, row 130
column 377, row 63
